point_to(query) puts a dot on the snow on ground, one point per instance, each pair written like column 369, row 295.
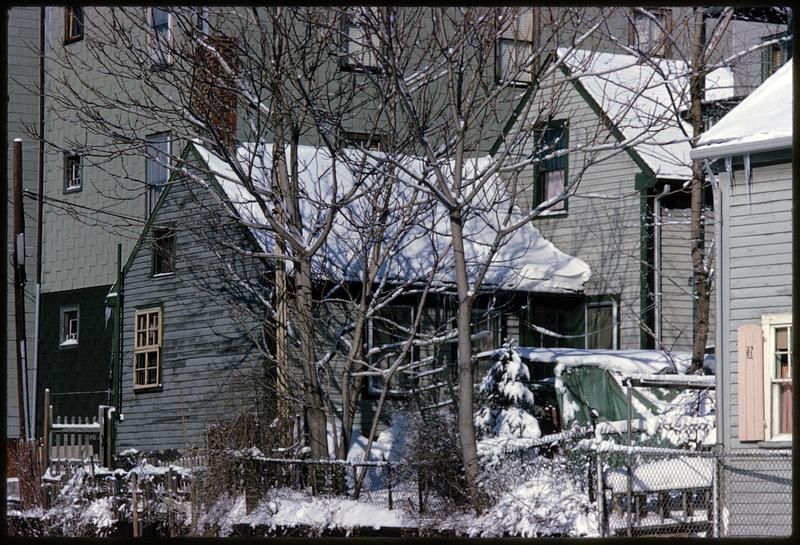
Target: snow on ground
column 293, row 508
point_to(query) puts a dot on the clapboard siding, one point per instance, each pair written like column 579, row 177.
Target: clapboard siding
column 677, row 307
column 756, row 273
column 208, row 361
column 602, row 225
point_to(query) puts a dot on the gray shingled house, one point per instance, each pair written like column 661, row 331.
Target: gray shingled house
column 194, row 351
column 751, row 149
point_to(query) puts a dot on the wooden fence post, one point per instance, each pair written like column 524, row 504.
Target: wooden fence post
column 134, row 509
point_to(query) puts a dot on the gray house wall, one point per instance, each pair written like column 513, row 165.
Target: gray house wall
column 22, row 111
column 755, row 279
column 210, row 367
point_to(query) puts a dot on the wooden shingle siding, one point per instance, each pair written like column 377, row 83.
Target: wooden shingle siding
column 208, row 361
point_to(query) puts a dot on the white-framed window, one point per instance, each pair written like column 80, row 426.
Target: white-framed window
column 73, row 173
column 70, row 326
column 777, row 329
column 601, row 325
column 515, row 63
column 389, row 330
column 147, row 336
column 160, row 36
column 359, row 45
column 157, row 167
column 649, row 31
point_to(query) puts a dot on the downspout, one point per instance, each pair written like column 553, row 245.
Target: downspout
column 657, row 261
column 39, row 222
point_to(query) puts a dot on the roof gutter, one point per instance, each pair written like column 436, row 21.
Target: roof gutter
column 716, row 151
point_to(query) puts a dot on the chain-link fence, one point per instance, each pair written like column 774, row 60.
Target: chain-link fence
column 707, row 493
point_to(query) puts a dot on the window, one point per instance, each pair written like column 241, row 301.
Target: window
column 374, row 142
column 200, row 21
column 601, row 325
column 73, row 171
column 70, row 326
column 147, row 348
column 163, row 251
column 389, row 330
column 485, row 323
column 514, row 63
column 551, row 171
column 774, row 56
column 160, row 37
column 73, row 24
column 157, row 167
column 359, row 46
column 777, row 329
column 650, row 31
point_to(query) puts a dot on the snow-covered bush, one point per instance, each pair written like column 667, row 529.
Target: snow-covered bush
column 535, row 497
column 506, row 400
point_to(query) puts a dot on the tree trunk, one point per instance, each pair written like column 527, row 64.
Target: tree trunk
column 700, row 275
column 466, row 423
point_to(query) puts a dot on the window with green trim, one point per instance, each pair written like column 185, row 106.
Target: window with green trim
column 551, row 168
column 774, row 56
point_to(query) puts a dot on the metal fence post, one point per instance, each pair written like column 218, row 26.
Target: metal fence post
column 389, row 481
column 715, row 491
column 600, row 495
column 629, row 397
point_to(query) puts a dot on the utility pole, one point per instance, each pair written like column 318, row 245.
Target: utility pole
column 19, row 292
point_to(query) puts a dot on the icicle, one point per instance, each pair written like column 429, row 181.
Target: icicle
column 748, row 178
column 729, row 169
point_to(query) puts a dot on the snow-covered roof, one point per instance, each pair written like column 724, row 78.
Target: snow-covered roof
column 624, row 362
column 761, row 122
column 644, row 101
column 526, row 261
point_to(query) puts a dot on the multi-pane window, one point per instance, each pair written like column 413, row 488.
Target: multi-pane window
column 774, row 56
column 601, row 325
column 649, row 31
column 160, row 38
column 359, row 45
column 374, row 142
column 72, row 173
column 147, row 348
column 73, row 24
column 515, row 46
column 163, row 251
column 157, row 167
column 485, row 328
column 70, row 324
column 551, row 168
column 778, row 368
column 389, row 330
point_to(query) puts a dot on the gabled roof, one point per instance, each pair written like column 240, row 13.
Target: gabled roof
column 761, row 122
column 525, row 262
column 643, row 101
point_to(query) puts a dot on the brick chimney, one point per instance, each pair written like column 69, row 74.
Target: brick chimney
column 211, row 95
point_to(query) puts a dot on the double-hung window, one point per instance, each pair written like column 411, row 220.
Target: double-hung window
column 157, row 167
column 73, row 173
column 649, row 32
column 601, row 325
column 485, row 328
column 515, row 62
column 774, row 56
column 163, row 251
column 777, row 329
column 70, row 326
column 359, row 45
column 73, row 24
column 388, row 331
column 551, row 167
column 160, row 37
column 147, row 348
